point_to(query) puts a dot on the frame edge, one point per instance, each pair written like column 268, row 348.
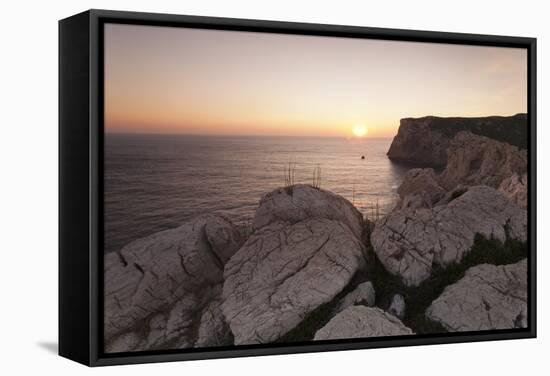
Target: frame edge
column 74, row 251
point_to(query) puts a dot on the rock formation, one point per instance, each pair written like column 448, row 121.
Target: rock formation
column 203, row 285
column 213, row 329
column 424, row 141
column 515, row 188
column 487, row 297
column 362, row 322
column 299, row 202
column 472, row 160
column 363, row 294
column 478, row 160
column 397, row 306
column 163, row 291
column 283, row 272
column 419, row 189
column 410, row 242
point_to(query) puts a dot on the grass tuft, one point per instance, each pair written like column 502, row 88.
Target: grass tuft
column 289, row 174
column 316, row 181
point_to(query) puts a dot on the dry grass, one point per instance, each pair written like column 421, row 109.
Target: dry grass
column 290, row 174
column 316, row 181
column 372, row 213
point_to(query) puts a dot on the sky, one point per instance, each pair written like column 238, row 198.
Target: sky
column 191, row 81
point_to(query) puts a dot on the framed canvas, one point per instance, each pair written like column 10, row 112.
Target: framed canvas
column 235, row 187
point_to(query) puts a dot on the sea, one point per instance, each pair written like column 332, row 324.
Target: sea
column 157, row 182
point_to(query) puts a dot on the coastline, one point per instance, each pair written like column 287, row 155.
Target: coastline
column 310, row 265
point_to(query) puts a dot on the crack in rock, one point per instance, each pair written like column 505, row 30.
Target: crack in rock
column 314, row 261
column 410, row 242
column 487, row 297
column 362, row 322
column 157, row 288
column 306, row 202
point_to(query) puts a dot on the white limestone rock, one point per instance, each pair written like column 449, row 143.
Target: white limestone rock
column 283, row 272
column 479, row 160
column 410, row 242
column 157, row 287
column 213, row 329
column 419, row 189
column 397, row 306
column 488, row 297
column 515, row 188
column 363, row 294
column 362, row 322
column 424, row 141
column 299, row 202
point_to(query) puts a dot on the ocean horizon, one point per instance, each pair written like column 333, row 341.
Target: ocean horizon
column 154, row 182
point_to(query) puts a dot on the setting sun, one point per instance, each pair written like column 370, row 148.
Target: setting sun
column 359, row 130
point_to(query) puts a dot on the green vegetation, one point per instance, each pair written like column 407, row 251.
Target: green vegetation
column 306, row 330
column 510, row 129
column 417, row 298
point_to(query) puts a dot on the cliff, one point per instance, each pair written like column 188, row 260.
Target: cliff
column 424, row 141
column 471, row 160
column 478, row 160
column 481, row 191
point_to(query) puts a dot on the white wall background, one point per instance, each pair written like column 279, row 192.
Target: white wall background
column 28, row 185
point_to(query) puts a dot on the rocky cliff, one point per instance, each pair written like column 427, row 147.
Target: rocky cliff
column 475, row 160
column 424, row 141
column 482, row 190
column 471, row 160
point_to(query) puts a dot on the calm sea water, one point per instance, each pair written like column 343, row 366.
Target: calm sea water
column 155, row 182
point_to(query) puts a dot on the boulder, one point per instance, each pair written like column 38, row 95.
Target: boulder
column 419, row 189
column 156, row 288
column 488, row 297
column 397, row 306
column 299, row 202
column 424, row 141
column 409, row 242
column 478, row 160
column 362, row 322
column 213, row 330
column 515, row 188
column 283, row 272
column 363, row 294
column 129, row 341
column 194, row 321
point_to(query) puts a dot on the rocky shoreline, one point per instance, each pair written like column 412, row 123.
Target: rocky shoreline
column 451, row 256
column 424, row 141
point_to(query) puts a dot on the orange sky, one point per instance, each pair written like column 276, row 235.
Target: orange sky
column 175, row 80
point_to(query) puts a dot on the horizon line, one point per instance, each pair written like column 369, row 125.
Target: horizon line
column 106, row 132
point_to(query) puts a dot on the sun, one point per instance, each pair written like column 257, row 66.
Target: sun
column 359, row 130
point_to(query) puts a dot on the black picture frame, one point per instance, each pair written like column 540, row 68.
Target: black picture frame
column 81, row 182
